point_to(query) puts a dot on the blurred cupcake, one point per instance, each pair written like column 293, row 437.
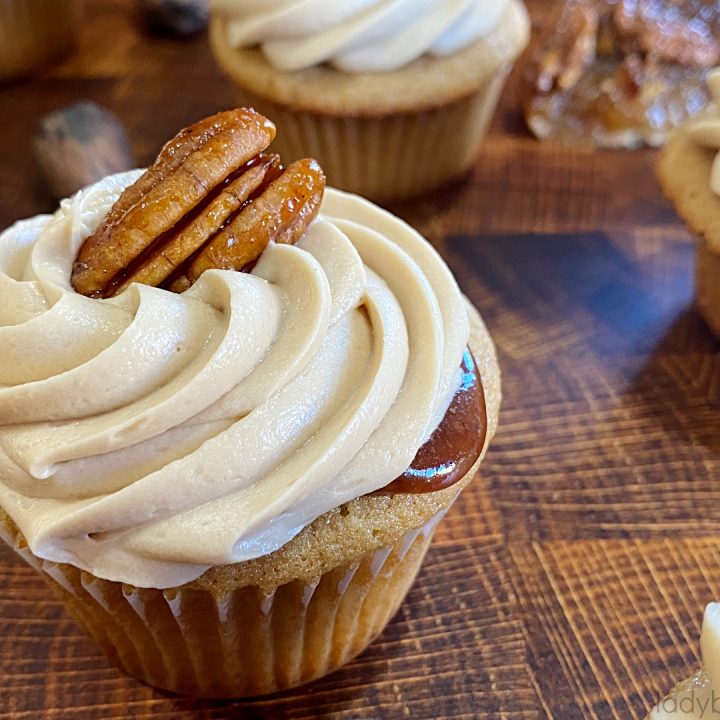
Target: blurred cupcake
column 232, row 487
column 689, row 172
column 33, row 33
column 393, row 97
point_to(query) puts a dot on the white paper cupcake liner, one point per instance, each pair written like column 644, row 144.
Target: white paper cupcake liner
column 244, row 641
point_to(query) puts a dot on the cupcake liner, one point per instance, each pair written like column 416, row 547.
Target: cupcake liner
column 243, row 641
column 34, row 32
column 387, row 157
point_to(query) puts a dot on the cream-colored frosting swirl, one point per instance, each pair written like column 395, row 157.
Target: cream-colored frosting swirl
column 705, row 129
column 149, row 436
column 356, row 36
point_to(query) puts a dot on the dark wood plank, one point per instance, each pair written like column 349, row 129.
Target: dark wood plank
column 610, row 420
column 569, row 580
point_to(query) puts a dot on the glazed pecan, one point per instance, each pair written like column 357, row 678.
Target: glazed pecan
column 280, row 214
column 211, row 199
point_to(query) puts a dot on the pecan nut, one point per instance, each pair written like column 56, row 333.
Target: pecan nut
column 280, row 214
column 211, row 199
column 162, row 258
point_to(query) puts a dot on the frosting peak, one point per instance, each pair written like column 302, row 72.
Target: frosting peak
column 151, row 435
column 356, row 36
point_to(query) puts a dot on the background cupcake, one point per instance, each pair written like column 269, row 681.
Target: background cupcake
column 35, row 32
column 393, row 97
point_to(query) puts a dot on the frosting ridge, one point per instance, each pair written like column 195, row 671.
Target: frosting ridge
column 357, row 36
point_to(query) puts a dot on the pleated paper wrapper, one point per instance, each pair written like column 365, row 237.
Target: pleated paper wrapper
column 388, row 157
column 244, row 641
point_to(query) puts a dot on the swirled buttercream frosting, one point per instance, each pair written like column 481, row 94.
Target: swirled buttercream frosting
column 356, row 36
column 149, row 436
column 705, row 130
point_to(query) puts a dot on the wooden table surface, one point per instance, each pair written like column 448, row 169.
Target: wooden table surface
column 569, row 581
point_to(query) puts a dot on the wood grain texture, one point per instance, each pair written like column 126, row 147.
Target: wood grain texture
column 569, row 580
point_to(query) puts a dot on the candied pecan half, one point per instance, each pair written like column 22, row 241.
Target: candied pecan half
column 212, row 199
column 280, row 214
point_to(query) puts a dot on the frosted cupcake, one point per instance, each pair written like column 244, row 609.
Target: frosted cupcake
column 35, row 32
column 689, row 171
column 393, row 97
column 233, row 486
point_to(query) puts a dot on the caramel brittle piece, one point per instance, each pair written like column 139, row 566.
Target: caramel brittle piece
column 621, row 73
column 562, row 65
column 660, row 29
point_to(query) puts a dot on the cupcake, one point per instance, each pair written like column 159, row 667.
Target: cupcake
column 393, row 97
column 234, row 406
column 689, row 172
column 35, row 32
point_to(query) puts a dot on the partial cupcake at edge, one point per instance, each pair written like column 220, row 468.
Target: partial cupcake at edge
column 392, row 97
column 689, row 172
column 234, row 404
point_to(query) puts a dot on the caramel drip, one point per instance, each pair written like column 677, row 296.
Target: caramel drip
column 455, row 445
